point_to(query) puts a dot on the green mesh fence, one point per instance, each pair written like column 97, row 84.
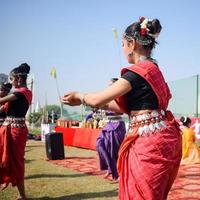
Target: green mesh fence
column 185, row 96
column 185, row 99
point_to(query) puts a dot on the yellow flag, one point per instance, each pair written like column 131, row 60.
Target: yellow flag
column 115, row 33
column 53, row 72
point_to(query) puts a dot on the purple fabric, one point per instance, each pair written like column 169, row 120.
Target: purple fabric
column 107, row 146
column 89, row 116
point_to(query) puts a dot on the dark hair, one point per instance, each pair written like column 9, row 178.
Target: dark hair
column 21, row 71
column 144, row 32
column 185, row 120
column 6, row 86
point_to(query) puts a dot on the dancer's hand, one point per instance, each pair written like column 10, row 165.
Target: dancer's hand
column 72, row 99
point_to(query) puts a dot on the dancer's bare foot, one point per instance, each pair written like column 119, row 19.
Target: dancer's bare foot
column 106, row 175
column 114, row 181
column 21, row 198
column 3, row 186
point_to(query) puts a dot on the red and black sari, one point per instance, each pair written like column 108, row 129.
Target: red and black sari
column 148, row 164
column 13, row 137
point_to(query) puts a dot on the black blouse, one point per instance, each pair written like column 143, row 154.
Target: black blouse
column 2, row 115
column 19, row 107
column 142, row 96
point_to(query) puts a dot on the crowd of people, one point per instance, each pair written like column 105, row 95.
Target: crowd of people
column 146, row 159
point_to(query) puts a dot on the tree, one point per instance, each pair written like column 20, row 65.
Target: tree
column 54, row 108
column 44, row 115
column 34, row 117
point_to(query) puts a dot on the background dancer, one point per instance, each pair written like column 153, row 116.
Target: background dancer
column 15, row 130
column 149, row 157
column 109, row 141
column 190, row 151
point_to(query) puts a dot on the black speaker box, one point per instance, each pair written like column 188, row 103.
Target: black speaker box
column 54, row 146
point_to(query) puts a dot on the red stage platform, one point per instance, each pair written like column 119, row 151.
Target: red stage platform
column 79, row 137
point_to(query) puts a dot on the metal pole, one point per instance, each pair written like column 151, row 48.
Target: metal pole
column 31, row 105
column 117, row 45
column 61, row 105
column 52, row 116
column 197, row 97
column 31, row 88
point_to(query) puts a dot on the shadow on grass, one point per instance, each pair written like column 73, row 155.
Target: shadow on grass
column 82, row 158
column 28, row 161
column 33, row 146
column 102, row 195
column 55, row 176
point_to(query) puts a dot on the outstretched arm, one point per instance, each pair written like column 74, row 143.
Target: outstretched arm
column 99, row 99
column 8, row 98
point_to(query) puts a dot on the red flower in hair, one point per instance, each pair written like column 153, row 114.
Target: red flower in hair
column 143, row 31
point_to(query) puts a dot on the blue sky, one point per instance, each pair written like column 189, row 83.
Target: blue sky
column 75, row 37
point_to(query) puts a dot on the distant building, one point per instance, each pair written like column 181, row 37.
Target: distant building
column 3, row 78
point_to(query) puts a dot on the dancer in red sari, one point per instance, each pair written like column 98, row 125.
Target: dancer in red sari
column 149, row 156
column 13, row 132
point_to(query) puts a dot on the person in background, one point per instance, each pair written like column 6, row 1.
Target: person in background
column 13, row 132
column 109, row 141
column 150, row 154
column 190, row 151
column 4, row 90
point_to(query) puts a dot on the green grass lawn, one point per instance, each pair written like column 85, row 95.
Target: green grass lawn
column 45, row 180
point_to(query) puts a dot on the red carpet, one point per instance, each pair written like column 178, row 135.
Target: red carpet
column 88, row 165
column 186, row 185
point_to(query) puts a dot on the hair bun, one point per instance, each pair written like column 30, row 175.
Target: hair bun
column 182, row 119
column 8, row 85
column 25, row 68
column 156, row 26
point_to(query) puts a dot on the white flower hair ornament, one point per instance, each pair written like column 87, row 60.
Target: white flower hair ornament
column 144, row 30
column 144, row 23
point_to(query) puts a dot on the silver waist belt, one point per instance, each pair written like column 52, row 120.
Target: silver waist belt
column 148, row 122
column 14, row 122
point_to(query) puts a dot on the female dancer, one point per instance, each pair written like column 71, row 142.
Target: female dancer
column 190, row 151
column 150, row 155
column 13, row 132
